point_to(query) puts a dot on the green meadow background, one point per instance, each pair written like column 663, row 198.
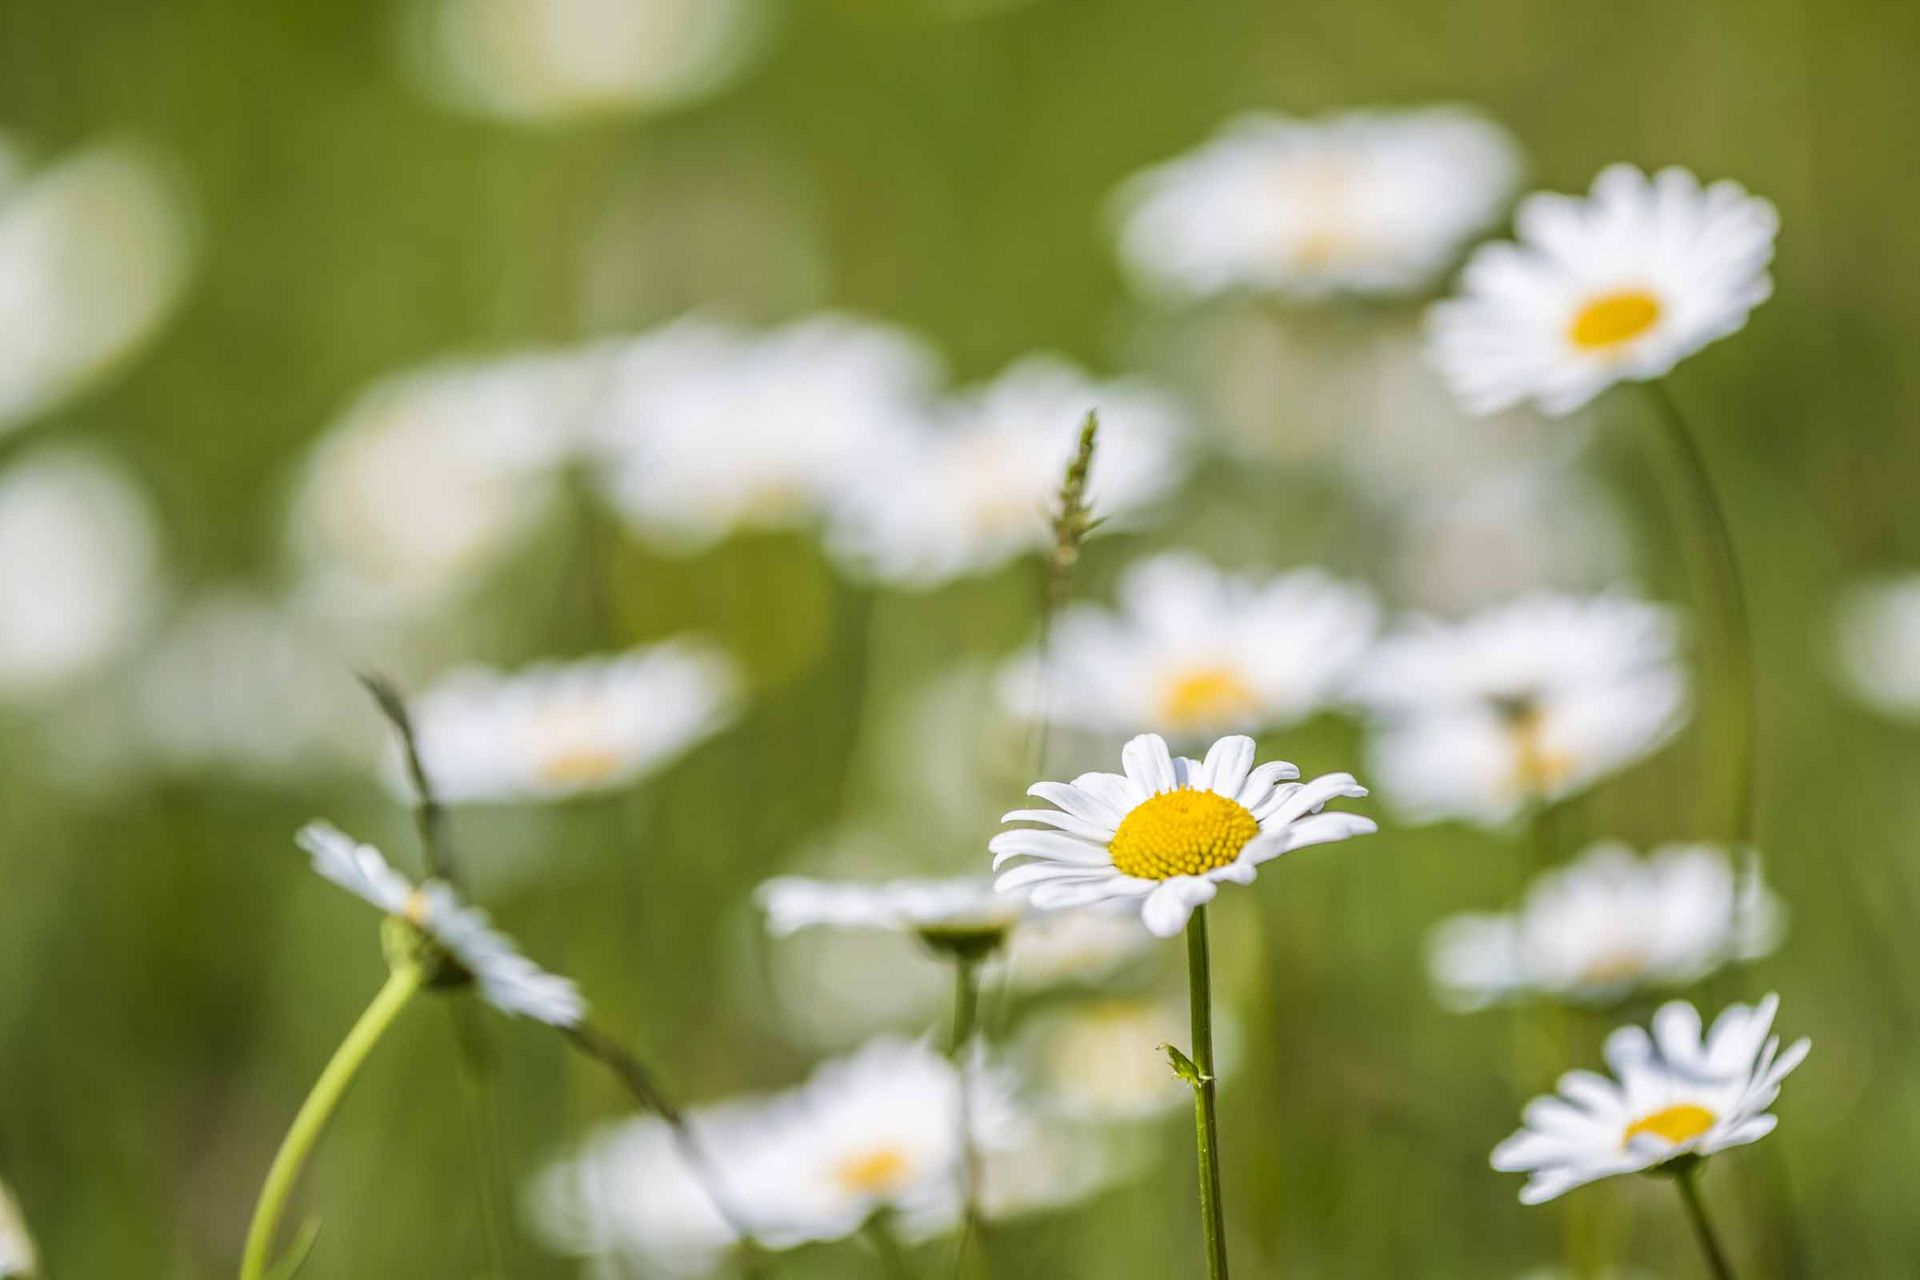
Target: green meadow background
column 171, row 978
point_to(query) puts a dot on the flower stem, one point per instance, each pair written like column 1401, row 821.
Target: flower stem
column 966, row 1010
column 400, row 988
column 1205, row 1120
column 1702, row 1228
column 893, row 1259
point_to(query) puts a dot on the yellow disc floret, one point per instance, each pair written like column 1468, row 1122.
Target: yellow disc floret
column 1181, row 833
column 1202, row 697
column 1679, row 1123
column 1611, row 320
column 878, row 1172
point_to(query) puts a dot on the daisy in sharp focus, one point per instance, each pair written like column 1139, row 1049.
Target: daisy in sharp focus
column 1199, row 652
column 1169, row 830
column 565, row 728
column 1674, row 1095
column 467, row 947
column 1618, row 285
column 1526, row 702
column 1609, row 924
column 1365, row 202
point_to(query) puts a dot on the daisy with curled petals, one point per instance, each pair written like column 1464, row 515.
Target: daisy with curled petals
column 1618, row 285
column 1676, row 1098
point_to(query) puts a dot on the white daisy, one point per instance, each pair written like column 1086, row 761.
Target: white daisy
column 79, row 569
column 1101, row 1059
column 1621, row 284
column 1532, row 700
column 1607, row 925
column 564, row 728
column 1169, row 830
column 1878, row 636
column 475, row 950
column 969, row 491
column 17, row 1256
column 94, row 254
column 943, row 912
column 1365, row 202
column 553, row 60
column 1199, row 652
column 709, row 428
column 1077, row 947
column 1676, row 1094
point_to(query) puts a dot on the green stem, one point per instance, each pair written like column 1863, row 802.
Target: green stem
column 1702, row 1228
column 312, row 1117
column 893, row 1259
column 1205, row 1119
column 966, row 1010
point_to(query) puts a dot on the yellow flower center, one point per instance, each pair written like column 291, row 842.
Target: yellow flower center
column 878, row 1172
column 1614, row 966
column 1203, row 696
column 1613, row 319
column 414, row 911
column 1678, row 1123
column 1181, row 833
column 1537, row 768
column 571, row 742
column 579, row 766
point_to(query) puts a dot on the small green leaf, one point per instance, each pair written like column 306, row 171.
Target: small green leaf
column 1184, row 1067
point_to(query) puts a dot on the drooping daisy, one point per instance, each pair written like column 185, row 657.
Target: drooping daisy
column 968, row 491
column 1365, row 202
column 1169, row 830
column 562, row 729
column 710, row 428
column 79, row 569
column 1532, row 700
column 1199, row 652
column 1621, row 284
column 17, row 1256
column 959, row 913
column 1675, row 1094
column 1607, row 925
column 94, row 253
column 468, row 948
column 1878, row 635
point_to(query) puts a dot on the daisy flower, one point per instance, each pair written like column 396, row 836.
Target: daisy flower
column 565, row 728
column 1533, row 700
column 1365, row 202
column 1100, row 1060
column 1619, row 285
column 1607, row 925
column 1674, row 1094
column 1083, row 946
column 968, row 491
column 957, row 914
column 79, row 569
column 17, row 1256
column 710, row 429
column 1199, row 651
column 469, row 948
column 1169, row 830
column 1878, row 634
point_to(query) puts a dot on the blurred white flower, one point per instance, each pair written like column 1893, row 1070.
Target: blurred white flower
column 1081, row 946
column 1168, row 831
column 1196, row 652
column 563, row 728
column 1101, row 1060
column 548, row 60
column 969, row 490
column 1366, row 202
column 17, row 1257
column 507, row 980
column 1878, row 636
column 932, row 909
column 709, row 428
column 1608, row 925
column 79, row 569
column 1621, row 284
column 430, row 475
column 1676, row 1095
column 1535, row 699
column 94, row 253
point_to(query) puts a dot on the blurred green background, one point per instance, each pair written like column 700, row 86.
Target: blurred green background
column 171, row 978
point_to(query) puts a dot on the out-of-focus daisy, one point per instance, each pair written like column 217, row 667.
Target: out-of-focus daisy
column 1169, row 830
column 1879, row 644
column 467, row 947
column 1675, row 1094
column 1199, row 652
column 709, row 428
column 17, row 1257
column 551, row 60
column 1101, row 1059
column 961, row 913
column 564, row 728
column 1083, row 946
column 1366, row 202
column 1621, row 284
column 79, row 569
column 94, row 253
column 431, row 475
column 968, row 491
column 1531, row 700
column 1608, row 925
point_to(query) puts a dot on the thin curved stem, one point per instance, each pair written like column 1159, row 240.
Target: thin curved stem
column 966, row 1010
column 401, row 986
column 1206, row 1121
column 1702, row 1228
